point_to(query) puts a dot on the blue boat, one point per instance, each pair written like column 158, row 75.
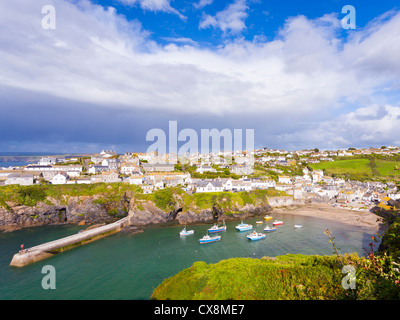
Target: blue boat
column 208, row 239
column 269, row 229
column 185, row 232
column 216, row 228
column 244, row 227
column 255, row 236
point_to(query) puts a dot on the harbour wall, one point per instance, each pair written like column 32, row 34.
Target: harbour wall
column 47, row 250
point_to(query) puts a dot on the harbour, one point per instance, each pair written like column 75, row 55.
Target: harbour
column 126, row 266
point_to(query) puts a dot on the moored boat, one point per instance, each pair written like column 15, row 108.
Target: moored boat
column 255, row 236
column 208, row 239
column 298, row 226
column 244, row 226
column 267, row 217
column 259, row 222
column 269, row 229
column 215, row 228
column 277, row 223
column 185, row 232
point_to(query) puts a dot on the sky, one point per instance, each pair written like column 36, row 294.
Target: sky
column 109, row 71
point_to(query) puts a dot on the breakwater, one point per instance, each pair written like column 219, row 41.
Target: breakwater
column 47, row 250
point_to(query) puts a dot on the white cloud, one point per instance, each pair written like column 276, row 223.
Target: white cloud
column 231, row 19
column 202, row 3
column 154, row 5
column 308, row 72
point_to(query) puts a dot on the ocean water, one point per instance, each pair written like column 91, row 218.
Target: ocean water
column 126, row 266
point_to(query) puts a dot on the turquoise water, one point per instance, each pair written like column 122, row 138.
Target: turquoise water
column 124, row 266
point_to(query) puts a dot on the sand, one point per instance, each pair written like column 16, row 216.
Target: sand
column 362, row 218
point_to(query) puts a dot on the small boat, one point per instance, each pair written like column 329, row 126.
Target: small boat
column 244, row 226
column 277, row 223
column 269, row 229
column 185, row 232
column 298, row 226
column 215, row 228
column 267, row 217
column 208, row 239
column 255, row 236
column 259, row 222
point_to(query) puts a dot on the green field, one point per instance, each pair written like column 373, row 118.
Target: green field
column 361, row 169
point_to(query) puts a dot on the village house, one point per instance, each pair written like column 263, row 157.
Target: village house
column 262, row 184
column 158, row 167
column 95, row 169
column 129, row 168
column 205, row 168
column 47, row 161
column 60, row 178
column 106, row 177
column 136, row 180
column 112, row 163
column 241, row 169
column 284, row 179
column 209, row 186
column 19, row 178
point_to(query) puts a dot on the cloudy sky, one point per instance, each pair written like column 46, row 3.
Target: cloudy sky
column 112, row 70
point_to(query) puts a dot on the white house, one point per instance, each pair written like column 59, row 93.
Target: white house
column 284, row 179
column 202, row 169
column 136, row 179
column 129, row 168
column 94, row 169
column 113, row 164
column 21, row 179
column 317, row 175
column 262, row 184
column 209, row 186
column 60, row 178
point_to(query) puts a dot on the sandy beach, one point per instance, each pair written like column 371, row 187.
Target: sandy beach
column 360, row 218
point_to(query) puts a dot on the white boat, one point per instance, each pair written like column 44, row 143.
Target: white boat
column 269, row 229
column 244, row 226
column 185, row 232
column 215, row 228
column 255, row 236
column 298, row 226
column 208, row 239
column 277, row 223
column 259, row 222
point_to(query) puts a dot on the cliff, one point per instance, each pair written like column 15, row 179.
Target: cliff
column 40, row 205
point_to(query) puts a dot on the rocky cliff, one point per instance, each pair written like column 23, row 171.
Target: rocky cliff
column 158, row 208
column 79, row 210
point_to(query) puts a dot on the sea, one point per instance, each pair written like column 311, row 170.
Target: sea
column 130, row 266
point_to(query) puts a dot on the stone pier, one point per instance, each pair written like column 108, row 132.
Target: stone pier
column 49, row 249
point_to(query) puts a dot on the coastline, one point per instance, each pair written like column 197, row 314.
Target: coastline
column 359, row 218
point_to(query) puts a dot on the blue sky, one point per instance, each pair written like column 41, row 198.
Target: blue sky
column 113, row 70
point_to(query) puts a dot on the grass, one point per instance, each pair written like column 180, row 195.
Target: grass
column 283, row 277
column 166, row 199
column 229, row 201
column 361, row 169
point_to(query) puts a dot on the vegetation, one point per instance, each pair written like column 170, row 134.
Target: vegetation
column 362, row 168
column 283, row 277
column 300, row 277
column 165, row 199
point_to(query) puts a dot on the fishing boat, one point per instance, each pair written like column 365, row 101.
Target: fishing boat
column 267, row 217
column 244, row 226
column 269, row 229
column 208, row 239
column 298, row 226
column 185, row 232
column 255, row 236
column 277, row 223
column 215, row 228
column 259, row 222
